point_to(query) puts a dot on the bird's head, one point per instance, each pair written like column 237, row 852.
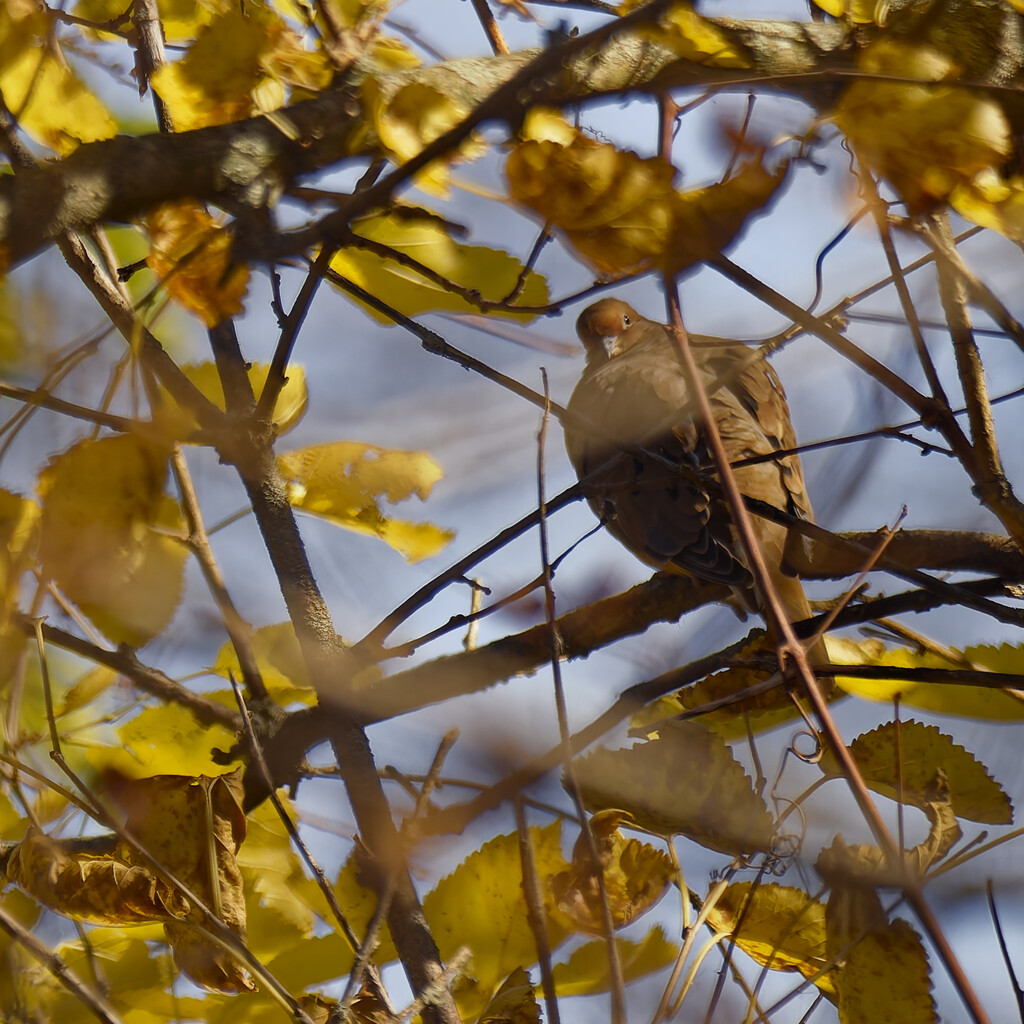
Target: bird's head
column 606, row 329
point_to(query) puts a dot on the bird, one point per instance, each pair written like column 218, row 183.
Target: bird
column 634, row 395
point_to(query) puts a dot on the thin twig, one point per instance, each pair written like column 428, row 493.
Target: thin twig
column 490, row 26
column 239, row 631
column 55, row 964
column 617, row 984
column 535, row 913
column 256, row 748
column 791, row 648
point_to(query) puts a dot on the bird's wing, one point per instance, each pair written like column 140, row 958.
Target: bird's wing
column 659, row 514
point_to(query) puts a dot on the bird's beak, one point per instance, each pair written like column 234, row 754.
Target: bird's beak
column 611, row 345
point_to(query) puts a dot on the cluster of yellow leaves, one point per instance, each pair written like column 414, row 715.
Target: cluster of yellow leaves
column 39, row 87
column 193, row 828
column 490, row 273
column 927, row 139
column 191, row 255
column 240, row 63
column 344, row 481
column 871, row 968
column 619, row 210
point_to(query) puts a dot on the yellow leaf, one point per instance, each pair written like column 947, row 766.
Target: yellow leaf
column 90, row 686
column 684, row 782
column 164, row 738
column 280, row 661
column 887, row 977
column 926, row 139
column 106, row 536
column 586, row 971
column 993, row 202
column 408, row 119
column 292, row 400
column 860, row 12
column 778, row 927
column 179, row 19
column 191, row 254
column 909, row 754
column 481, row 905
column 490, row 272
column 620, row 210
column 344, row 480
column 269, row 860
column 692, row 37
column 352, row 13
column 513, row 1003
column 19, row 534
column 951, row 699
column 214, row 82
column 49, row 100
column 390, row 54
column 636, row 876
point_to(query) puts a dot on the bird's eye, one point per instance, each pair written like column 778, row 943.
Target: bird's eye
column 625, row 320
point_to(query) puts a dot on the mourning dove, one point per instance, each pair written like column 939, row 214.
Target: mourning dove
column 634, row 393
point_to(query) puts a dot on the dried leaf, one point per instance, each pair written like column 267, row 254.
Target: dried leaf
column 636, row 876
column 193, row 826
column 620, row 210
column 513, row 1003
column 192, row 255
column 863, row 865
column 101, row 889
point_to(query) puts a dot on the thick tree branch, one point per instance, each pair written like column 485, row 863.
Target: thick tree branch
column 122, row 178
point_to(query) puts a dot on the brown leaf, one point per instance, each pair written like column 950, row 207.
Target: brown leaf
column 193, row 827
column 90, row 888
column 636, row 875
